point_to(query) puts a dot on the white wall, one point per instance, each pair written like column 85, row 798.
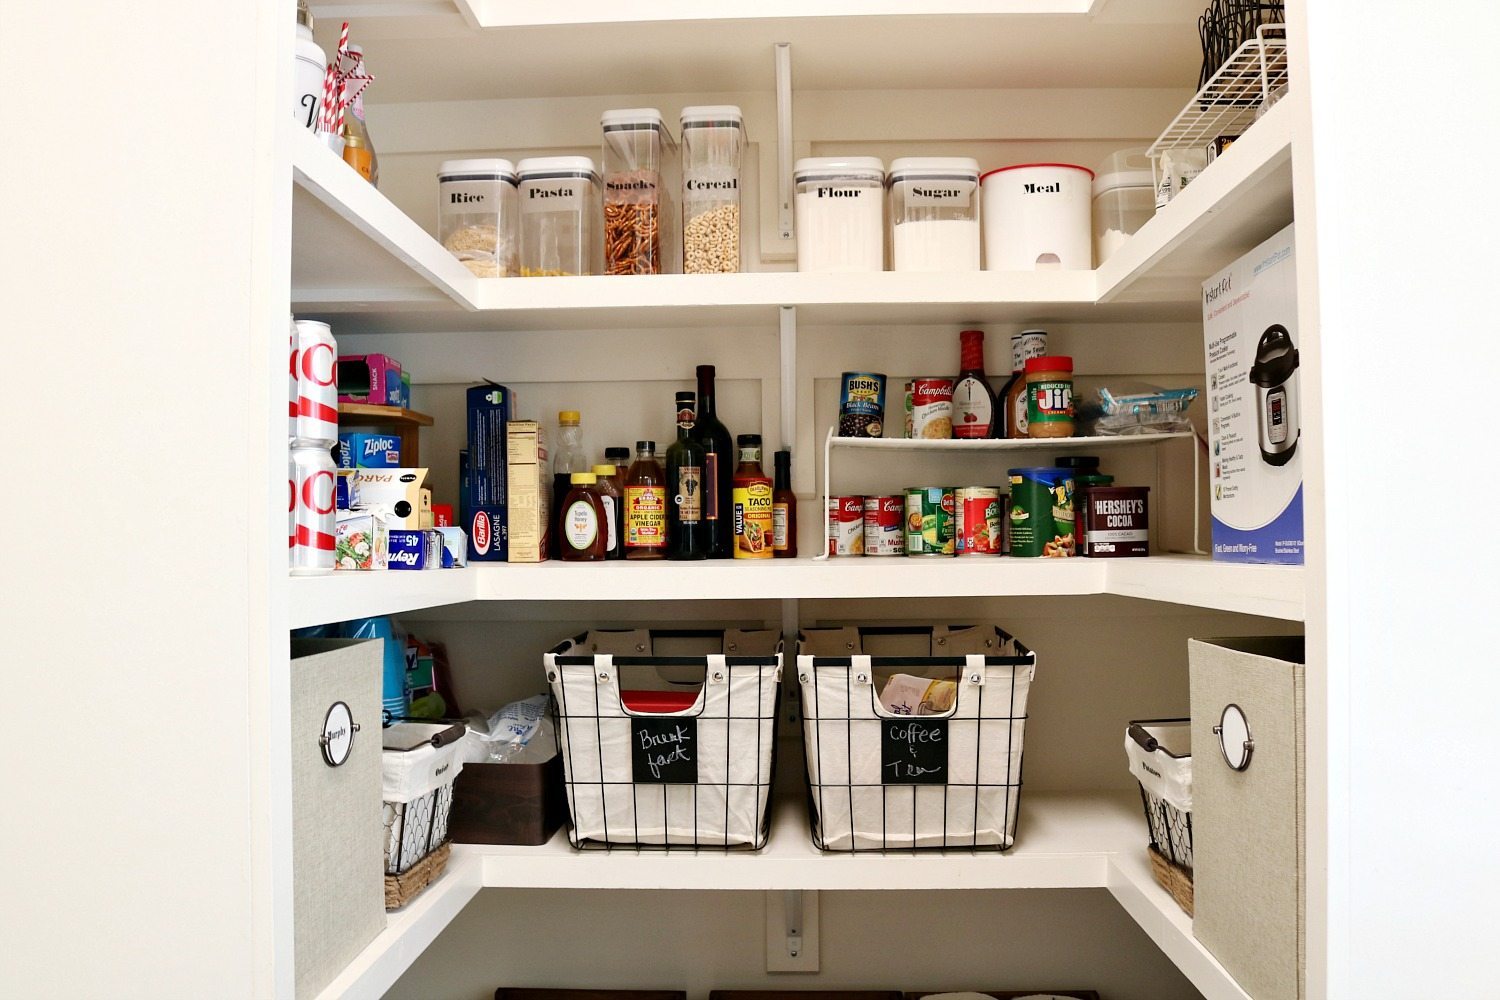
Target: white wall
column 1403, row 103
column 136, row 294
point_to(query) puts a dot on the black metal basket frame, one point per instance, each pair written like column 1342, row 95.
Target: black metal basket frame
column 1162, row 817
column 436, row 833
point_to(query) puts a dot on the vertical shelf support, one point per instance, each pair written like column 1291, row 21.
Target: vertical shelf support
column 785, row 223
column 791, row 931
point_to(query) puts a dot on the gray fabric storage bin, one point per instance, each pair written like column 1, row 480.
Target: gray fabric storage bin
column 1249, row 826
column 338, row 895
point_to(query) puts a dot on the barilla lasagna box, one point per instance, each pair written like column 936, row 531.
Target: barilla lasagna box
column 528, row 516
column 488, row 407
column 394, row 494
column 369, row 451
column 369, row 378
column 1254, row 406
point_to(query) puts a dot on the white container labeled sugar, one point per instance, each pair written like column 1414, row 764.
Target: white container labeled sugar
column 840, row 214
column 934, row 213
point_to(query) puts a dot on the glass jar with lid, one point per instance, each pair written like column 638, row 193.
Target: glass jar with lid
column 560, row 226
column 840, row 212
column 477, row 208
column 1124, row 199
column 639, row 227
column 712, row 139
column 934, row 213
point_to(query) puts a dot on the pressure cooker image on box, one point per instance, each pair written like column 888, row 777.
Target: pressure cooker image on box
column 1275, row 377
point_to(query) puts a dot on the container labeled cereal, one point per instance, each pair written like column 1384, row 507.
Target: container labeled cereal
column 934, row 213
column 477, row 207
column 559, row 216
column 712, row 138
column 840, row 214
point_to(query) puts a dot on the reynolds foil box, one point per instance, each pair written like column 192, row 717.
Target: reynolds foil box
column 489, row 407
column 1254, row 406
column 529, row 510
column 414, row 550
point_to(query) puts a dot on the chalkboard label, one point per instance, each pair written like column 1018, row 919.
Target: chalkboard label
column 914, row 751
column 664, row 751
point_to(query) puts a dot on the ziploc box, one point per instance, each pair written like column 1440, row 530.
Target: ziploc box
column 489, row 407
column 369, row 451
column 369, row 378
column 530, row 506
column 1254, row 426
column 393, row 494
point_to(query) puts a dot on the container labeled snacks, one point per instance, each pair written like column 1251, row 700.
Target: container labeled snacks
column 712, row 139
column 559, row 216
column 1036, row 217
column 637, row 202
column 840, row 211
column 934, row 213
column 477, row 208
column 1124, row 198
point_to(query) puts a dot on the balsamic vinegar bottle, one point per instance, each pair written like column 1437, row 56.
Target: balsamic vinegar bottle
column 718, row 468
column 687, row 532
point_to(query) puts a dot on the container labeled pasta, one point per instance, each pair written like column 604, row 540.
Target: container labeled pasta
column 559, row 216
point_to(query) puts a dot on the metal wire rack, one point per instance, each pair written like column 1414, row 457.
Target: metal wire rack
column 1227, row 104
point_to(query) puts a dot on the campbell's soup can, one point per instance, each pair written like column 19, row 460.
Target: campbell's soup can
column 929, row 521
column 314, row 362
column 846, row 526
column 313, row 474
column 977, row 521
column 884, row 522
column 929, row 407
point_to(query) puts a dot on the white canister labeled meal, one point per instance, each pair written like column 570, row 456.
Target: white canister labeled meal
column 477, row 215
column 934, row 213
column 840, row 214
column 1036, row 217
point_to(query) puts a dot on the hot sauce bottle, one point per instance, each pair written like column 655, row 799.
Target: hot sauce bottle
column 783, row 510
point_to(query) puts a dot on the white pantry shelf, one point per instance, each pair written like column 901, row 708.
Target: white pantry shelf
column 960, row 445
column 1191, row 581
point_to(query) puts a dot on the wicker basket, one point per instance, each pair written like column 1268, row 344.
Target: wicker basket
column 1160, row 753
column 1177, row 880
column 402, row 889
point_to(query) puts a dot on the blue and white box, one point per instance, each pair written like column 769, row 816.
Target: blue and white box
column 1254, row 406
column 369, row 451
column 419, row 549
column 488, row 407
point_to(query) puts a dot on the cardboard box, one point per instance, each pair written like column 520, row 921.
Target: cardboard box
column 530, row 507
column 414, row 550
column 393, row 493
column 442, row 515
column 455, row 547
column 360, row 541
column 489, row 407
column 1254, row 426
column 369, row 378
column 425, row 517
column 369, row 451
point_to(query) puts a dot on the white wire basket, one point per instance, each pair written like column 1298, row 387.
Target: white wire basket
column 1227, row 104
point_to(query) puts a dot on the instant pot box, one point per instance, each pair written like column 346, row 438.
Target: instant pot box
column 1254, row 409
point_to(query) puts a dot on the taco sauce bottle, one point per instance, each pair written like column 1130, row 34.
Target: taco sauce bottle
column 752, row 503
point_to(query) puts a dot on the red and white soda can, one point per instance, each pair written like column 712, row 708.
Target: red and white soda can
column 291, row 382
column 291, row 503
column 314, row 490
column 315, row 363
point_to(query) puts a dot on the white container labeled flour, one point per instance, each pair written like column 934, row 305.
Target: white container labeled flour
column 934, row 213
column 1124, row 200
column 840, row 214
column 1036, row 217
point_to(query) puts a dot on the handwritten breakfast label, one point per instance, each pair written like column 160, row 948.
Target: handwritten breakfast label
column 914, row 751
column 664, row 751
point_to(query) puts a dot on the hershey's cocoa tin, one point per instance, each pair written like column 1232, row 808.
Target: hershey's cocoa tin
column 846, row 526
column 1116, row 520
column 885, row 518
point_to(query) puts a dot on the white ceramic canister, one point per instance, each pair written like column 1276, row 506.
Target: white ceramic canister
column 934, row 213
column 307, row 83
column 840, row 209
column 1036, row 217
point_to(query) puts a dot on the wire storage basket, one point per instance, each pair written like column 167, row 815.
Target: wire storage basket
column 918, row 745
column 664, row 744
column 418, row 764
column 1161, row 759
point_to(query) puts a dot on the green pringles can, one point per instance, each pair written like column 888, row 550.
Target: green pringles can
column 1041, row 512
column 929, row 521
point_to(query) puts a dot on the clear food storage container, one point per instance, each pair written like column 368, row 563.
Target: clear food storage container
column 712, row 138
column 477, row 202
column 840, row 214
column 559, row 216
column 638, row 220
column 934, row 213
column 1124, row 198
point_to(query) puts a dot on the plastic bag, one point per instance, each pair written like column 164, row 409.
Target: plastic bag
column 519, row 733
column 1158, row 411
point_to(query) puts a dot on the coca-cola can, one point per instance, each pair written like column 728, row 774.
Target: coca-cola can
column 313, row 474
column 315, row 363
column 291, row 381
column 291, row 502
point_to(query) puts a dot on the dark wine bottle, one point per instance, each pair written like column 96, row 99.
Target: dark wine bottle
column 687, row 532
column 718, row 468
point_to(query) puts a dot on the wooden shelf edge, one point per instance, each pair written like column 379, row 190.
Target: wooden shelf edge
column 382, row 415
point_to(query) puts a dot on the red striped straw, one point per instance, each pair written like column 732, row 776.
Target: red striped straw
column 325, row 112
column 339, row 58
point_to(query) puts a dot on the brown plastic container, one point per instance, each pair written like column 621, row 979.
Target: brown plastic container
column 522, row 804
column 1116, row 522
